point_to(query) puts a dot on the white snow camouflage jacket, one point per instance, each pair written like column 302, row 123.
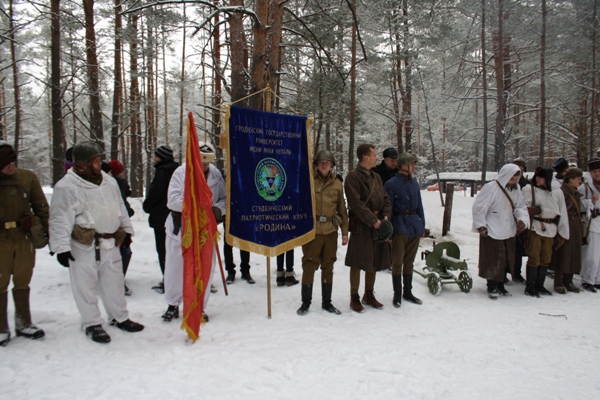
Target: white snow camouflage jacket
column 493, row 210
column 76, row 201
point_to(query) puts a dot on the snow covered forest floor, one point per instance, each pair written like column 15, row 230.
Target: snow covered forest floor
column 454, row 346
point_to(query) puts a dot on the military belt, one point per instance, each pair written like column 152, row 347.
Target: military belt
column 548, row 220
column 9, row 225
column 322, row 218
column 405, row 213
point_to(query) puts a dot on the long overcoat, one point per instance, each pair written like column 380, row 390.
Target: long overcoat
column 567, row 259
column 367, row 201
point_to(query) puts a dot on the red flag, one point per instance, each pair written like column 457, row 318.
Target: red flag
column 198, row 236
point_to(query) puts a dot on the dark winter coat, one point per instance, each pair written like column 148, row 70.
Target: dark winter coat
column 567, row 259
column 155, row 203
column 364, row 253
column 386, row 173
column 405, row 196
column 125, row 193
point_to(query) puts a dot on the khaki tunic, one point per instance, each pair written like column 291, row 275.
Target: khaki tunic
column 364, row 253
column 16, row 250
column 322, row 250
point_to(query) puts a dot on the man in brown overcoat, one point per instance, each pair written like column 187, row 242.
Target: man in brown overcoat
column 368, row 205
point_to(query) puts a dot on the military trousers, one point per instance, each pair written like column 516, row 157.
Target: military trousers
column 404, row 251
column 539, row 250
column 321, row 251
column 18, row 260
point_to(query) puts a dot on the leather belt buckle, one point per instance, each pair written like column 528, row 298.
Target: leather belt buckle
column 322, row 219
column 10, row 225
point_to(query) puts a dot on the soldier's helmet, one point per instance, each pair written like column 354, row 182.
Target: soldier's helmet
column 406, row 158
column 324, row 155
column 384, row 233
column 85, row 150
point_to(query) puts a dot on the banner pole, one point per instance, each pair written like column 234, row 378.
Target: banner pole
column 269, row 287
column 221, row 268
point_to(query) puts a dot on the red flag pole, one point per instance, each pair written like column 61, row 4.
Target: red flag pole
column 221, row 268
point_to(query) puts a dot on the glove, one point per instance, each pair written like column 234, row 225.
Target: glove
column 559, row 241
column 63, row 258
column 483, row 231
column 520, row 227
column 217, row 212
column 176, row 222
column 533, row 211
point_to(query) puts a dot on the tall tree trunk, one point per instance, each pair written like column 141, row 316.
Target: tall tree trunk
column 484, row 164
column 407, row 98
column 217, row 98
column 93, row 73
column 500, row 93
column 182, row 88
column 15, row 74
column 58, row 130
column 150, row 100
column 165, row 91
column 542, row 155
column 137, row 177
column 352, row 92
column 594, row 94
column 117, row 85
column 239, row 55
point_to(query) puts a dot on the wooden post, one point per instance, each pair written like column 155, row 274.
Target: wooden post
column 269, row 287
column 448, row 209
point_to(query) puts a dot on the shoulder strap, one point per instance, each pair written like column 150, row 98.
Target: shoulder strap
column 506, row 194
column 532, row 195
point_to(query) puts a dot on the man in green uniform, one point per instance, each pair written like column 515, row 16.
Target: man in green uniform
column 21, row 199
column 321, row 251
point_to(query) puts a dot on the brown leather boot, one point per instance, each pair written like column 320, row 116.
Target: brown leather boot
column 569, row 285
column 559, row 287
column 355, row 303
column 370, row 300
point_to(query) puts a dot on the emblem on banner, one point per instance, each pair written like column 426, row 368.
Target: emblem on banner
column 270, row 179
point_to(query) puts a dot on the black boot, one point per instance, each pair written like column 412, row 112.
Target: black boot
column 397, row 283
column 290, row 278
column 408, row 296
column 532, row 274
column 502, row 290
column 326, row 305
column 492, row 289
column 539, row 284
column 306, row 291
column 4, row 330
column 172, row 312
column 280, row 278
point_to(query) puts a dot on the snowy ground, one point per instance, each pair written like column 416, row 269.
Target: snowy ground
column 454, row 346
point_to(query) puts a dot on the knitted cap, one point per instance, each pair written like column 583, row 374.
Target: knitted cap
column 593, row 163
column 560, row 164
column 117, row 167
column 390, row 152
column 7, row 154
column 164, row 153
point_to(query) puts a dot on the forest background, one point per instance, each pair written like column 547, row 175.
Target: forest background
column 465, row 84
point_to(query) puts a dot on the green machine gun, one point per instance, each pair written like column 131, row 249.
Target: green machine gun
column 445, row 258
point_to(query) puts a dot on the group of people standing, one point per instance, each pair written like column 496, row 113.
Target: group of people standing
column 552, row 220
column 382, row 227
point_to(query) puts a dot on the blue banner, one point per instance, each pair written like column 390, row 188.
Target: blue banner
column 269, row 182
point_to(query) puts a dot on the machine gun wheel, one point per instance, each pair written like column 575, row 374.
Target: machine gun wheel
column 434, row 283
column 465, row 282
